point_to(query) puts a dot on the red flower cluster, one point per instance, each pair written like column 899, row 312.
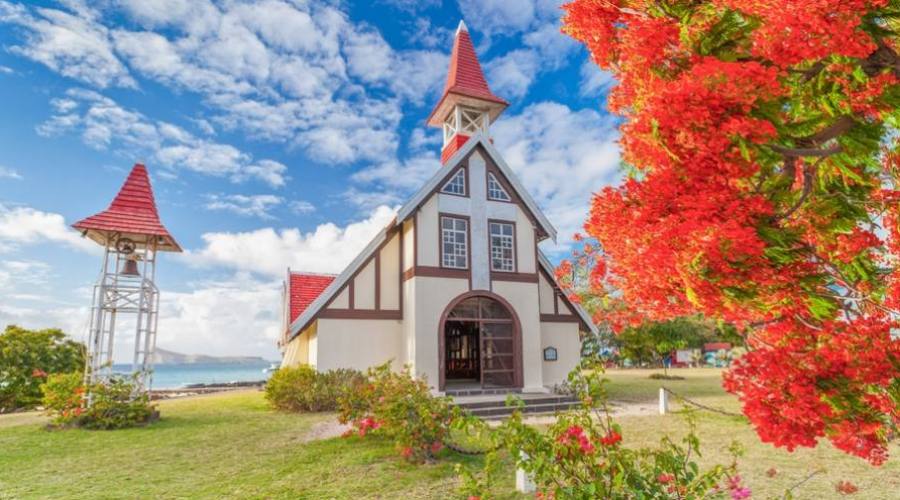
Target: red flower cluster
column 755, row 128
column 38, row 373
column 611, row 439
column 846, row 488
column 575, row 436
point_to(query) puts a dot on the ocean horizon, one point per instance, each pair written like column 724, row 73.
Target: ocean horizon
column 177, row 376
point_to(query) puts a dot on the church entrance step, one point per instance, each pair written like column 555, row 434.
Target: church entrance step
column 481, row 391
column 494, row 406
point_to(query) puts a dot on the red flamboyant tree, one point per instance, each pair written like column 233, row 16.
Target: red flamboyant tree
column 762, row 140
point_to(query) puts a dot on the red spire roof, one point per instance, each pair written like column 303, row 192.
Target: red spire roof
column 131, row 213
column 465, row 78
column 303, row 288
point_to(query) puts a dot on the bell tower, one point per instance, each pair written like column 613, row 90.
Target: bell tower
column 131, row 235
column 467, row 105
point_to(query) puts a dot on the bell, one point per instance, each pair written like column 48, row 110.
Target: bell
column 130, row 268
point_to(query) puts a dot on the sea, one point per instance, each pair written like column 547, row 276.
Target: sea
column 176, row 376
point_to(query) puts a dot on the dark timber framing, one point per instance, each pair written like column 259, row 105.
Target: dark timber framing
column 517, row 336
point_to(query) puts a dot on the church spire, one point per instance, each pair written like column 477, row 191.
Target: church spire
column 467, row 105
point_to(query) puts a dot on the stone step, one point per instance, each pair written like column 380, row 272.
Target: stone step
column 531, row 401
column 481, row 392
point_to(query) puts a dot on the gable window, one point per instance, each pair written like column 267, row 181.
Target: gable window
column 454, row 243
column 495, row 189
column 503, row 257
column 457, row 184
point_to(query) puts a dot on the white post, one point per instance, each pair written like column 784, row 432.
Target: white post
column 524, row 482
column 663, row 401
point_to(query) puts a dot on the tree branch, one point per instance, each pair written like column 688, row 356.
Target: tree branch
column 801, row 152
column 809, row 175
column 840, row 127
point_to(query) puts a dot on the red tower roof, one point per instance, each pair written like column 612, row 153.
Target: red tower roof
column 304, row 288
column 465, row 81
column 132, row 214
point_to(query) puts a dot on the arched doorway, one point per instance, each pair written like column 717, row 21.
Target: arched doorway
column 480, row 343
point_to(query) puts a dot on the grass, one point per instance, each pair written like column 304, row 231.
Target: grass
column 225, row 445
column 717, row 431
column 232, row 445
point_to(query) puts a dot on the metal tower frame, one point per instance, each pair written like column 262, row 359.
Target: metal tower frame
column 118, row 293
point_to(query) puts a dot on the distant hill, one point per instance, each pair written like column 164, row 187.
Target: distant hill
column 164, row 357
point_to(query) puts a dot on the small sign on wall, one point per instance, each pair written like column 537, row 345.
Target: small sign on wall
column 550, row 354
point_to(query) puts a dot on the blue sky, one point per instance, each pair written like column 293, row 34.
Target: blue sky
column 277, row 133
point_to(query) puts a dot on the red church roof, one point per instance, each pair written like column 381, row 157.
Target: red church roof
column 465, row 78
column 303, row 288
column 132, row 213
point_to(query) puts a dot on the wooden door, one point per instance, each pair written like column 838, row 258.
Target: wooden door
column 498, row 359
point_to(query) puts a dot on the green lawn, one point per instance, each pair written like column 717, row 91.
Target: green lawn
column 232, row 445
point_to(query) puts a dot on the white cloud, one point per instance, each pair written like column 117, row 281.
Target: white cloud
column 70, row 44
column 422, row 138
column 498, row 16
column 403, row 175
column 562, row 157
column 258, row 205
column 14, row 273
column 594, row 80
column 300, row 207
column 368, row 199
column 26, row 226
column 6, row 70
column 413, row 5
column 544, row 49
column 103, row 125
column 327, row 249
column 49, row 314
column 240, row 315
column 8, row 173
column 283, row 71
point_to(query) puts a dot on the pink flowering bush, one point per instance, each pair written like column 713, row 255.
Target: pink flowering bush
column 402, row 408
column 582, row 455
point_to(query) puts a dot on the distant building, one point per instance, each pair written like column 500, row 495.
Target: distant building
column 455, row 286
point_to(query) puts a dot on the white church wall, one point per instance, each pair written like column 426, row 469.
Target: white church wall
column 427, row 228
column 448, row 203
column 563, row 307
column 525, row 244
column 389, row 278
column 564, row 337
column 357, row 343
column 342, row 301
column 547, row 295
column 432, row 297
column 478, row 246
column 364, row 287
column 409, row 241
column 524, row 299
column 408, row 329
column 503, row 210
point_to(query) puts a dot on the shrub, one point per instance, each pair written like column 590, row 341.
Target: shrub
column 402, row 408
column 63, row 396
column 582, row 456
column 27, row 357
column 115, row 404
column 303, row 389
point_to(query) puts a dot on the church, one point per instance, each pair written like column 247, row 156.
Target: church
column 455, row 286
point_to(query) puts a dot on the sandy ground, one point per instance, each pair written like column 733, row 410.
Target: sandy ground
column 325, row 430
